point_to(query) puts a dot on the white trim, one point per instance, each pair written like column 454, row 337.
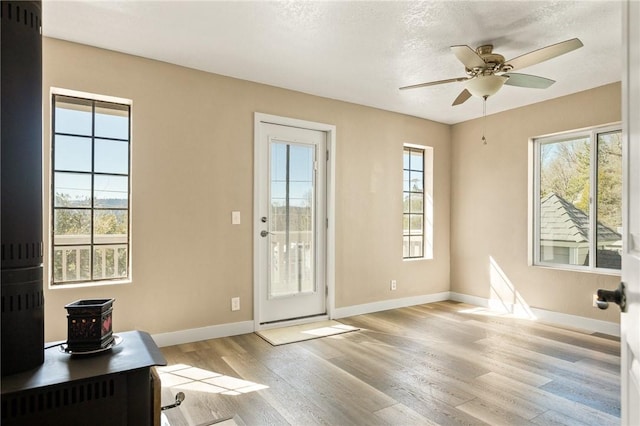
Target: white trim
column 202, row 333
column 48, row 209
column 554, row 318
column 244, row 327
column 92, row 96
column 534, row 202
column 533, row 250
column 568, row 134
column 414, row 145
column 575, row 321
column 428, row 154
column 330, row 189
column 468, row 299
column 384, row 305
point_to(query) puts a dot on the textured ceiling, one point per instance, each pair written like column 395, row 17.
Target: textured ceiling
column 357, row 51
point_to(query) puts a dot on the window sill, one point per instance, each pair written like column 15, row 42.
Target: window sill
column 566, row 268
column 416, row 259
column 89, row 284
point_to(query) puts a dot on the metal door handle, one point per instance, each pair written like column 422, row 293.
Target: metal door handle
column 179, row 399
column 617, row 296
column 264, row 233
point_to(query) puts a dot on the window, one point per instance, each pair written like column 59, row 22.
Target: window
column 417, row 192
column 578, row 200
column 90, row 183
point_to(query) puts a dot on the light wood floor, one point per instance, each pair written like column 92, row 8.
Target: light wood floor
column 423, row 365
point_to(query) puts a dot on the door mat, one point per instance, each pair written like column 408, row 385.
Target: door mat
column 299, row 333
column 232, row 421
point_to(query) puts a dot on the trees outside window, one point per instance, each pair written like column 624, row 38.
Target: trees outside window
column 578, row 200
column 90, row 190
column 417, row 193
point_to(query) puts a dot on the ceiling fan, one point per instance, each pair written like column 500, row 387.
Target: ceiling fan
column 487, row 71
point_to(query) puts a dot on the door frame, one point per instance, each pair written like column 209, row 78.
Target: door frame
column 630, row 414
column 330, row 132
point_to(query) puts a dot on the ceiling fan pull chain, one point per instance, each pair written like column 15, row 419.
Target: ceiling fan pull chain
column 484, row 119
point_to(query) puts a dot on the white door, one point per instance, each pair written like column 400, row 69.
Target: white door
column 290, row 222
column 630, row 320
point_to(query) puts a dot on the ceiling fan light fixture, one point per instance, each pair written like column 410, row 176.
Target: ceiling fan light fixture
column 484, row 86
column 487, row 71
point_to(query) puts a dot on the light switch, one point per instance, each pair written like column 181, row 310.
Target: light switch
column 235, row 218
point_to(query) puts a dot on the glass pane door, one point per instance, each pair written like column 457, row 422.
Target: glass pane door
column 292, row 217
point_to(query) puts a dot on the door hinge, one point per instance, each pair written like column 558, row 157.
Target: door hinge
column 327, row 155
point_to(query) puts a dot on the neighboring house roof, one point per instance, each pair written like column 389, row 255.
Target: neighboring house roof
column 562, row 221
column 606, row 259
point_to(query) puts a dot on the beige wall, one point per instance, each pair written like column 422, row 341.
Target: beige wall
column 192, row 165
column 489, row 204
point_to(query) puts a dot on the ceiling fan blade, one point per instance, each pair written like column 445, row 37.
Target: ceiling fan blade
column 462, row 97
column 527, row 80
column 433, row 83
column 544, row 54
column 468, row 57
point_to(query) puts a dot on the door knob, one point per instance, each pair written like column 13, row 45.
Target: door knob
column 264, row 233
column 178, row 401
column 617, row 296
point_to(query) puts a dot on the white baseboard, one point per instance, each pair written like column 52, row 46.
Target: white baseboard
column 384, row 305
column 234, row 329
column 471, row 300
column 557, row 318
column 588, row 324
column 202, row 333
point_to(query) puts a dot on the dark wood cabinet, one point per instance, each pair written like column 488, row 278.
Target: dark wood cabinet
column 111, row 388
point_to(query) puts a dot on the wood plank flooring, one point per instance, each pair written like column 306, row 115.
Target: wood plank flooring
column 423, row 365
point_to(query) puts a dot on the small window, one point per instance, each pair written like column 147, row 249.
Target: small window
column 90, row 184
column 417, row 192
column 578, row 200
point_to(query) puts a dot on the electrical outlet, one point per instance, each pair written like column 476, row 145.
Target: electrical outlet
column 235, row 303
column 393, row 285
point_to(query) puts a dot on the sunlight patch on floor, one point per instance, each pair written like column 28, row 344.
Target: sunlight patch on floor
column 185, row 377
column 489, row 312
column 504, row 299
column 301, row 332
column 328, row 331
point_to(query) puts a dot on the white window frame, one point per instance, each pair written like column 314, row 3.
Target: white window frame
column 427, row 219
column 56, row 91
column 534, row 202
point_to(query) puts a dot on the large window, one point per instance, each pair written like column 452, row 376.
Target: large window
column 417, row 233
column 578, row 200
column 90, row 190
